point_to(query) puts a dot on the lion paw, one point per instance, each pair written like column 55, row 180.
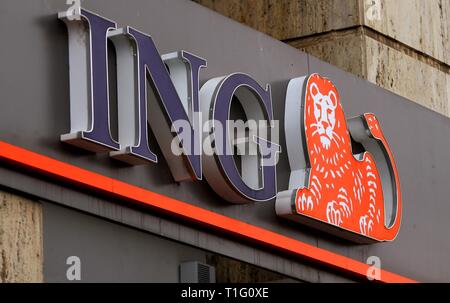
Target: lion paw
column 305, row 202
column 334, row 215
column 365, row 225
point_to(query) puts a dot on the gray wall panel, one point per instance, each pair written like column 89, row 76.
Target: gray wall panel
column 109, row 252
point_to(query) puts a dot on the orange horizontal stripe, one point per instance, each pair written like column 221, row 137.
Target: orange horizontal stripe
column 118, row 189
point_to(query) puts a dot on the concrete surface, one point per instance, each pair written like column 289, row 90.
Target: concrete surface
column 21, row 258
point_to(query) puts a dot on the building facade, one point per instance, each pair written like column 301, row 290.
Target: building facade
column 398, row 45
column 68, row 214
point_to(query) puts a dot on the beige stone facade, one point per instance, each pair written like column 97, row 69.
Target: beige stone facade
column 401, row 45
column 21, row 252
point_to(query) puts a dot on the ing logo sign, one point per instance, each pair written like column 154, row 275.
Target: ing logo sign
column 333, row 188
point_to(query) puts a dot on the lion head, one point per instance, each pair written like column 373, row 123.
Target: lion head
column 325, row 125
column 324, row 114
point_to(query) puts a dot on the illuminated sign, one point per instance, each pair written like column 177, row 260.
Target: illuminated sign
column 329, row 182
column 355, row 194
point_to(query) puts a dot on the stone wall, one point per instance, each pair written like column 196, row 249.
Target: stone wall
column 21, row 252
column 400, row 45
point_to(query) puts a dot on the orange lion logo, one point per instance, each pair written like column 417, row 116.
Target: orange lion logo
column 346, row 190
